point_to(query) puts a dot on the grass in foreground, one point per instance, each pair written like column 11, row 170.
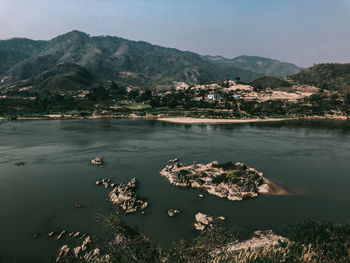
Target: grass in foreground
column 313, row 241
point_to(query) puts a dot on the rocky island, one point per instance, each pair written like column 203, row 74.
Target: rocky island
column 234, row 181
column 124, row 195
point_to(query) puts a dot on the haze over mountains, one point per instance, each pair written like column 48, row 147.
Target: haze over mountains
column 260, row 65
column 76, row 59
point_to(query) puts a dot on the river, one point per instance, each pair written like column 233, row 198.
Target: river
column 309, row 158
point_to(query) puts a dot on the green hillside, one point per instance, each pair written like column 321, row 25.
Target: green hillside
column 327, row 76
column 260, row 65
column 265, row 82
column 125, row 62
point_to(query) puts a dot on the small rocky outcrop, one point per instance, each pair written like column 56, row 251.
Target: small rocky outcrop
column 124, row 195
column 173, row 212
column 203, row 221
column 78, row 205
column 61, row 234
column 77, row 250
column 97, row 161
column 105, row 182
column 234, row 181
column 173, row 160
column 63, row 253
column 20, row 163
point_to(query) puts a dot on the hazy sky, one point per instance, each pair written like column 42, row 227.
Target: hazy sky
column 298, row 31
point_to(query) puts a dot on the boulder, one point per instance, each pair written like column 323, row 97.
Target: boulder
column 61, row 235
column 97, row 161
column 173, row 160
column 202, row 221
column 173, row 212
column 62, row 253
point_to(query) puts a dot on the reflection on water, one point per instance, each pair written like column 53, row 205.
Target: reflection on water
column 308, row 157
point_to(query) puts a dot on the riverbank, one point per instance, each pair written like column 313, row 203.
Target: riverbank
column 189, row 120
column 184, row 120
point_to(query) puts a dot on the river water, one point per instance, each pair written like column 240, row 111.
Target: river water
column 309, row 158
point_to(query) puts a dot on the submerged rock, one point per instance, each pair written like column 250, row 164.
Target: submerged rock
column 19, row 163
column 172, row 212
column 124, row 195
column 64, row 254
column 97, row 161
column 78, row 205
column 228, row 180
column 105, row 182
column 61, row 234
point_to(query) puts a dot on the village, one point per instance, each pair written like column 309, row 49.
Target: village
column 218, row 91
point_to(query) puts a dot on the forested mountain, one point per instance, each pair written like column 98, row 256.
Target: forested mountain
column 331, row 76
column 125, row 62
column 260, row 65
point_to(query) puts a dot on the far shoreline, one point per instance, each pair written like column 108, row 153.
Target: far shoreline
column 183, row 120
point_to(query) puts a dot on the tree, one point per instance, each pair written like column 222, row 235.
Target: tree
column 133, row 94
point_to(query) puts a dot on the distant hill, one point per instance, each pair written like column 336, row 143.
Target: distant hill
column 125, row 62
column 270, row 82
column 16, row 50
column 260, row 65
column 327, row 76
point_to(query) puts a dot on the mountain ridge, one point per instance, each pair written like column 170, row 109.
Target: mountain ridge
column 130, row 63
column 260, row 65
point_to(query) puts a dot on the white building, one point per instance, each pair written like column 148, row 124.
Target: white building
column 214, row 96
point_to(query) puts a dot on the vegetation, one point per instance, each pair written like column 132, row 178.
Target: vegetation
column 312, row 241
column 326, row 76
column 123, row 61
column 113, row 100
column 266, row 82
column 263, row 66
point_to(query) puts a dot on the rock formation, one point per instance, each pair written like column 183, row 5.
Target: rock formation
column 97, row 161
column 124, row 195
column 105, row 182
column 228, row 180
column 172, row 212
column 203, row 221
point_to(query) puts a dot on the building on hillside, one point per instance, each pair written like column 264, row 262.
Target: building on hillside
column 214, row 96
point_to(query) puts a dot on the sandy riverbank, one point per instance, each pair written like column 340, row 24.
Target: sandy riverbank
column 190, row 120
column 184, row 120
column 206, row 120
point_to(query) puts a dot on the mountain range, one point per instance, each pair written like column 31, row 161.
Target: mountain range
column 260, row 65
column 76, row 60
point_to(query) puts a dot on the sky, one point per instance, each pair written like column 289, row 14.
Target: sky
column 303, row 32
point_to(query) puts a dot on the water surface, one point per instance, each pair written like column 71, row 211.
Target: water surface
column 309, row 158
